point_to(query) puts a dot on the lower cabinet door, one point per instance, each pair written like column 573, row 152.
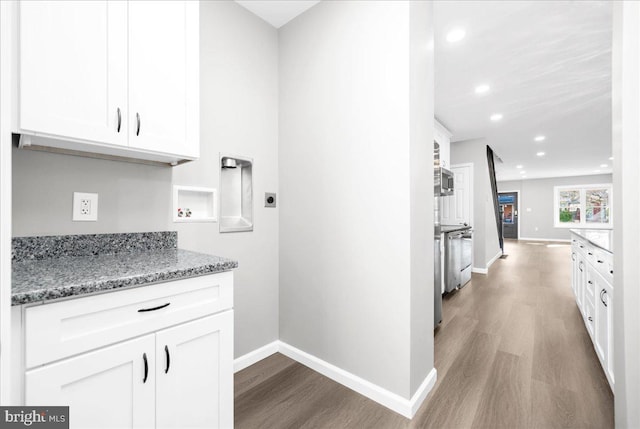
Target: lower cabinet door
column 195, row 374
column 112, row 387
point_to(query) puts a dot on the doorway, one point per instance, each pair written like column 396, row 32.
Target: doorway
column 509, row 214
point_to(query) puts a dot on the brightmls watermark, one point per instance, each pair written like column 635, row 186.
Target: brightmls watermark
column 34, row 417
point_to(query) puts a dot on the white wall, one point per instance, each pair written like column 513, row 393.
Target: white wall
column 348, row 263
column 238, row 115
column 626, row 183
column 538, row 196
column 485, row 234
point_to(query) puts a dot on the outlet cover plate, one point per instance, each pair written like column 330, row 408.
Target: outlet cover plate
column 85, row 207
column 269, row 199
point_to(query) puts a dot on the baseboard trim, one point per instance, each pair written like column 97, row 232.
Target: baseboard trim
column 255, row 356
column 402, row 406
column 566, row 240
column 492, row 260
column 480, row 270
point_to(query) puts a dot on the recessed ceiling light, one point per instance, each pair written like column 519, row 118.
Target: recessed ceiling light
column 610, row 158
column 482, row 89
column 456, row 35
column 539, row 138
column 540, row 153
column 523, row 172
column 596, row 171
column 519, row 166
column 603, row 165
column 524, row 177
column 496, row 117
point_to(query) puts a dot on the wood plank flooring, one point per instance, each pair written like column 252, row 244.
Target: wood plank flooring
column 512, row 352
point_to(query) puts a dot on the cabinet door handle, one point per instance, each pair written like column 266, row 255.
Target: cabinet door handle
column 573, row 256
column 590, row 319
column 138, row 121
column 590, row 282
column 600, row 261
column 166, row 352
column 146, row 367
column 119, row 119
column 602, row 294
column 142, row 310
column 581, row 246
column 590, row 254
column 580, row 266
column 610, row 271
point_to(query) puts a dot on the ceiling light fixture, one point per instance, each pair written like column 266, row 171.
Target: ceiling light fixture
column 524, row 177
column 519, row 166
column 610, row 158
column 456, row 35
column 539, row 138
column 482, row 89
column 603, row 165
column 496, row 117
column 540, row 153
column 596, row 171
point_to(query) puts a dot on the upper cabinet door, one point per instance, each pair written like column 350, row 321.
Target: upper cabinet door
column 163, row 76
column 73, row 71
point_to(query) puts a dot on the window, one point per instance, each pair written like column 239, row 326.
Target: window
column 583, row 206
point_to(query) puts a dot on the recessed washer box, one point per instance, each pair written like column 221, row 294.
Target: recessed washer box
column 236, row 193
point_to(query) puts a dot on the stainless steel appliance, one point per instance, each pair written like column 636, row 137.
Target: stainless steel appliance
column 437, row 256
column 446, row 182
column 458, row 254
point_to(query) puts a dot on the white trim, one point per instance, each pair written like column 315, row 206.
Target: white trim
column 564, row 240
column 480, row 270
column 6, row 103
column 255, row 356
column 393, row 401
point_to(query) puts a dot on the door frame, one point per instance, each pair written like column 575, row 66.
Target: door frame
column 7, row 9
column 517, row 192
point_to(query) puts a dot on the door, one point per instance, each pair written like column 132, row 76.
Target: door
column 195, row 374
column 163, row 67
column 106, row 388
column 509, row 209
column 84, row 95
column 457, row 208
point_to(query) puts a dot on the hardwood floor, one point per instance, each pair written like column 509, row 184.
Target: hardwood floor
column 511, row 352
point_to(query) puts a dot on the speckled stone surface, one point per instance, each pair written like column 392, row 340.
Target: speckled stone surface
column 56, row 246
column 41, row 279
column 603, row 238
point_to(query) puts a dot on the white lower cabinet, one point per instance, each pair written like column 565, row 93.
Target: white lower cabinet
column 170, row 367
column 594, row 297
column 105, row 388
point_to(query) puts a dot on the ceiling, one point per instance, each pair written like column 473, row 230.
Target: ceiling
column 277, row 12
column 548, row 65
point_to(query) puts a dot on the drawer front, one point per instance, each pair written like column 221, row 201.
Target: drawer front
column 589, row 318
column 58, row 330
column 604, row 264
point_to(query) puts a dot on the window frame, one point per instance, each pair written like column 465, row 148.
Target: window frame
column 583, row 224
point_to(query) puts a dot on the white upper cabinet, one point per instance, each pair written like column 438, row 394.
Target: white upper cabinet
column 73, row 71
column 443, row 137
column 163, row 76
column 115, row 78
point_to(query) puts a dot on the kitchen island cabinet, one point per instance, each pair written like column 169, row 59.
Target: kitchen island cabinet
column 592, row 284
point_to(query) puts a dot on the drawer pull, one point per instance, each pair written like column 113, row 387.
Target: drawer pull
column 119, row 119
column 590, row 282
column 138, row 121
column 590, row 254
column 581, row 246
column 590, row 319
column 146, row 367
column 166, row 352
column 573, row 256
column 600, row 261
column 611, row 272
column 142, row 310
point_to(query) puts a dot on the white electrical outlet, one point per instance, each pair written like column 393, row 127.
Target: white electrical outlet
column 85, row 207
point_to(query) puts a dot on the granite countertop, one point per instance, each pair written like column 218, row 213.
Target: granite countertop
column 452, row 228
column 602, row 238
column 46, row 268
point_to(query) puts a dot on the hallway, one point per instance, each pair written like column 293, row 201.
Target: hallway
column 511, row 352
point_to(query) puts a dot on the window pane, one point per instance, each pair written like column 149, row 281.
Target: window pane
column 597, row 206
column 569, row 206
